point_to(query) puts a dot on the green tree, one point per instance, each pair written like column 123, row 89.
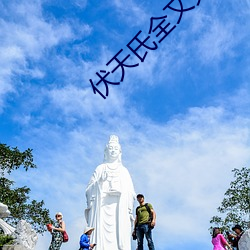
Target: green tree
column 17, row 199
column 235, row 207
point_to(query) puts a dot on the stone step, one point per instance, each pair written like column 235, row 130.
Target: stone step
column 12, row 247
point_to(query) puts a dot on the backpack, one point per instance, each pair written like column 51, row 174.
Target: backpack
column 150, row 218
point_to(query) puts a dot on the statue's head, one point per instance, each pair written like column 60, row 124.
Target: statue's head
column 113, row 150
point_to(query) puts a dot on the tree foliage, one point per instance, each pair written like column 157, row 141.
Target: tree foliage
column 6, row 239
column 17, row 199
column 235, row 207
column 12, row 159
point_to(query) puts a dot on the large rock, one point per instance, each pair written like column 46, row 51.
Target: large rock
column 244, row 242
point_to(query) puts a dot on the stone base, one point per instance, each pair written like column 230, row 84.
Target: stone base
column 13, row 247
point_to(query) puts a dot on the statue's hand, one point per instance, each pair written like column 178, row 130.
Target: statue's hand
column 104, row 176
column 90, row 202
column 132, row 217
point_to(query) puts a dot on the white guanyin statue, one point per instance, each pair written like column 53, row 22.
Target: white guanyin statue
column 110, row 198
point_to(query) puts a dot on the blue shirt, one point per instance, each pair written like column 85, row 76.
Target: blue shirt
column 84, row 242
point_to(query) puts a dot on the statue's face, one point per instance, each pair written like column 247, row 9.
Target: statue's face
column 114, row 150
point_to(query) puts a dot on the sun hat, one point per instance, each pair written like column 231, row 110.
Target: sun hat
column 87, row 229
column 59, row 213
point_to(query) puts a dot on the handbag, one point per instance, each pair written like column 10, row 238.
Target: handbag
column 65, row 236
column 49, row 227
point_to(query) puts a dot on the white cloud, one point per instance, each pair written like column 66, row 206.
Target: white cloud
column 183, row 167
column 24, row 40
column 32, row 33
column 82, row 102
column 80, row 3
column 217, row 42
column 219, row 32
column 131, row 12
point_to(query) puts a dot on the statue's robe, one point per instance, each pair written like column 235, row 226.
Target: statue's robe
column 110, row 197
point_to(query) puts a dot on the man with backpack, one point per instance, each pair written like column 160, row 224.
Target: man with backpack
column 144, row 223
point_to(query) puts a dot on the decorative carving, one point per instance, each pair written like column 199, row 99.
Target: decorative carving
column 25, row 235
column 4, row 212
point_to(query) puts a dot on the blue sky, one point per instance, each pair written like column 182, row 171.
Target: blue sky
column 182, row 115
